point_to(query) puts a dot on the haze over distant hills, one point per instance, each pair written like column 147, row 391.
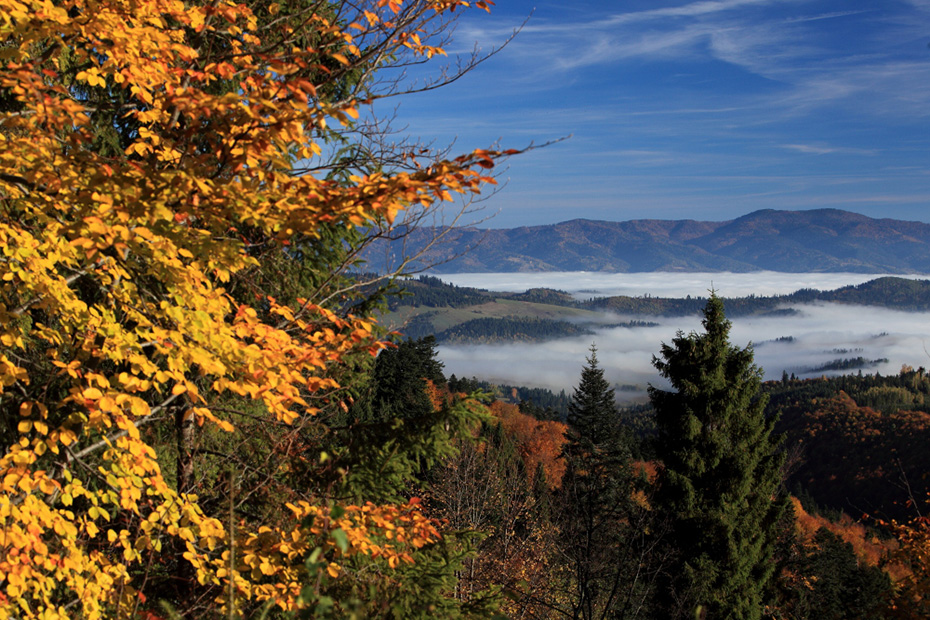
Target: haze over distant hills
column 822, row 240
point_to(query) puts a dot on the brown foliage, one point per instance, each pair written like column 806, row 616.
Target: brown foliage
column 911, row 563
column 857, row 456
column 866, row 545
column 439, row 396
column 539, row 441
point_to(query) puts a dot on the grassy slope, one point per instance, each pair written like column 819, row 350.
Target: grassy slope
column 444, row 318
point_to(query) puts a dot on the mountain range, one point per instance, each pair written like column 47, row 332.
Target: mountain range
column 820, row 240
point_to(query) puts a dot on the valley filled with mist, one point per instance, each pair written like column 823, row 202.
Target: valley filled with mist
column 790, row 331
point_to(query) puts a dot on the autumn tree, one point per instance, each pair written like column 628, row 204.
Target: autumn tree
column 482, row 489
column 912, row 592
column 486, row 490
column 721, row 473
column 161, row 163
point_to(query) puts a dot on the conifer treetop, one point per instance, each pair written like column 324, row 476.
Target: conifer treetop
column 722, row 471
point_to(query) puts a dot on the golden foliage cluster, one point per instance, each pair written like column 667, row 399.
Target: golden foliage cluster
column 114, row 307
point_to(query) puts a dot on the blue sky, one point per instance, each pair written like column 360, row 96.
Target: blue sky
column 702, row 110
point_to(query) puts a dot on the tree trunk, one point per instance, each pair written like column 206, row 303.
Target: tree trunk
column 184, row 435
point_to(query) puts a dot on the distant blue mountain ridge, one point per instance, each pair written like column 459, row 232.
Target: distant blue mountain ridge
column 820, row 240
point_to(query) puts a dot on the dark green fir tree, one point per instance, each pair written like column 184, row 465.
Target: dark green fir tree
column 722, row 474
column 596, row 502
column 594, row 429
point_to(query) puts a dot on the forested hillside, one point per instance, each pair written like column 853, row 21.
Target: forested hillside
column 467, row 315
column 886, row 292
column 855, row 443
column 507, row 329
column 860, row 441
column 432, row 292
column 789, row 241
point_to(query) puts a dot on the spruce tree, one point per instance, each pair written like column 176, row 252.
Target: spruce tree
column 596, row 499
column 400, row 376
column 593, row 419
column 722, row 473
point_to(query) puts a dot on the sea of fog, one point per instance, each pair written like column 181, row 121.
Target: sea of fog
column 587, row 284
column 821, row 333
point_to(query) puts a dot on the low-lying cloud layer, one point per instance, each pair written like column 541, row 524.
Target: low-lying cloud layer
column 817, row 335
column 586, row 284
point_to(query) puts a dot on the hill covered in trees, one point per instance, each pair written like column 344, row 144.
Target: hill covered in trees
column 789, row 241
column 470, row 315
column 859, row 440
column 885, row 292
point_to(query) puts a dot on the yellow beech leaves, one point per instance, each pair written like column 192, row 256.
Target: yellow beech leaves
column 138, row 140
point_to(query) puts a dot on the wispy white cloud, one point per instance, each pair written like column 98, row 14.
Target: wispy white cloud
column 885, row 88
column 816, row 149
column 699, row 9
column 880, row 199
column 609, row 48
column 833, row 15
column 920, row 4
column 813, row 70
column 693, row 9
column 647, row 33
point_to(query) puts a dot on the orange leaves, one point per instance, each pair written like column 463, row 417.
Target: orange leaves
column 909, row 564
column 483, row 158
column 91, row 76
column 866, row 546
column 122, row 275
column 540, row 441
column 393, row 5
column 386, row 532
